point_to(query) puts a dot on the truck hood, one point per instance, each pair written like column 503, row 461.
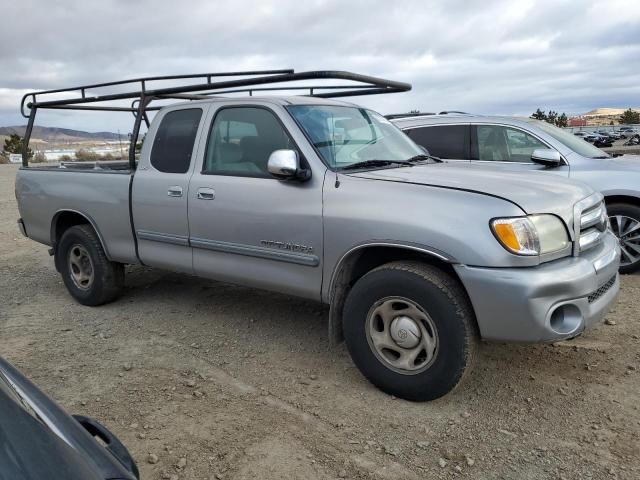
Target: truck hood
column 533, row 192
column 623, row 162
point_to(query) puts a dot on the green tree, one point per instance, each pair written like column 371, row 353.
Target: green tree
column 14, row 144
column 562, row 120
column 629, row 116
column 552, row 117
column 539, row 115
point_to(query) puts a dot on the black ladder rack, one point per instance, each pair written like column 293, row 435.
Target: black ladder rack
column 81, row 97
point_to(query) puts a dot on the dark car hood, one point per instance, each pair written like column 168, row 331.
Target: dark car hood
column 29, row 450
column 533, row 192
column 40, row 441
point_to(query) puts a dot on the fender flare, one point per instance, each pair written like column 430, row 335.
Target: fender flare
column 89, row 220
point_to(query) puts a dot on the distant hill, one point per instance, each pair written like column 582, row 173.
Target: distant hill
column 607, row 111
column 54, row 134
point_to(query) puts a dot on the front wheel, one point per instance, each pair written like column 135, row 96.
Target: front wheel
column 88, row 275
column 410, row 330
column 625, row 223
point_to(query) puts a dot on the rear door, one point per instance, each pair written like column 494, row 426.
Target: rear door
column 161, row 189
column 449, row 142
column 246, row 226
column 509, row 148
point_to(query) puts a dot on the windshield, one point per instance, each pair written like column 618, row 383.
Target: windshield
column 348, row 135
column 574, row 142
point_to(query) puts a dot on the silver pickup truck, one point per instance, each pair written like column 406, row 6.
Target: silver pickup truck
column 326, row 200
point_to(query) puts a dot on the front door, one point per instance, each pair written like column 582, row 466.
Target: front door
column 161, row 190
column 246, row 226
column 508, row 148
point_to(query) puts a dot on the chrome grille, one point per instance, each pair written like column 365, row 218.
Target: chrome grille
column 591, row 223
column 602, row 290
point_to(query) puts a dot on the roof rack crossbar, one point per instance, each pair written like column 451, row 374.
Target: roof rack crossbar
column 311, row 89
column 255, row 80
column 394, row 116
column 368, row 85
column 143, row 83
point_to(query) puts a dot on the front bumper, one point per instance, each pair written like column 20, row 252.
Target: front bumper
column 550, row 302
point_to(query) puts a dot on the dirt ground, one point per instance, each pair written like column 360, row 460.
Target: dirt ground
column 203, row 380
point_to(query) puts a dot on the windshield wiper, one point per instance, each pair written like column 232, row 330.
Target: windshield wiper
column 601, row 157
column 423, row 156
column 376, row 163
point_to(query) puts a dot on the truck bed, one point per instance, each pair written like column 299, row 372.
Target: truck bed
column 99, row 193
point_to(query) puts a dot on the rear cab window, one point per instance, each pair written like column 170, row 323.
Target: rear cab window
column 444, row 141
column 174, row 141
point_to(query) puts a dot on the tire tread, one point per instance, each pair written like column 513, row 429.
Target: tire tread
column 112, row 273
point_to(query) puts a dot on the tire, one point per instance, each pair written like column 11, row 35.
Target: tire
column 88, row 275
column 624, row 217
column 445, row 318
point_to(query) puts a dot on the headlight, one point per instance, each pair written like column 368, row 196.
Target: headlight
column 531, row 235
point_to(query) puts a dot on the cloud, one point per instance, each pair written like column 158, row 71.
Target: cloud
column 494, row 56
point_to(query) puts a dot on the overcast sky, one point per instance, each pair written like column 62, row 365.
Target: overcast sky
column 489, row 56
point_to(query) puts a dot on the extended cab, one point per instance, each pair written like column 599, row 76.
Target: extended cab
column 329, row 201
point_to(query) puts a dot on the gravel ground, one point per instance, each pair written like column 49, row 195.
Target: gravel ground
column 203, row 380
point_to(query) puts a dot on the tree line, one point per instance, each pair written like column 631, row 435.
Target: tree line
column 628, row 117
column 552, row 117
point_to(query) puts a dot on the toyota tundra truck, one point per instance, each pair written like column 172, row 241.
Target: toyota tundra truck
column 314, row 197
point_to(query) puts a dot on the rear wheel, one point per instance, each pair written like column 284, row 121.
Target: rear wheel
column 88, row 275
column 410, row 330
column 625, row 223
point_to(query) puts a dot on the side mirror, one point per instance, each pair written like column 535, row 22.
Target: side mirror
column 285, row 165
column 547, row 157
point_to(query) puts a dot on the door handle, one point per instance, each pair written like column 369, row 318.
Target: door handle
column 175, row 191
column 206, row 194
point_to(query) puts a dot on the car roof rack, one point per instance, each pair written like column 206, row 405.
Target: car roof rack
column 182, row 87
column 395, row 116
column 448, row 112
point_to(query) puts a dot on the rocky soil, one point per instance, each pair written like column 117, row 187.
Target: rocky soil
column 203, row 380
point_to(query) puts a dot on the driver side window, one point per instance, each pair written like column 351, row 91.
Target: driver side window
column 505, row 144
column 241, row 140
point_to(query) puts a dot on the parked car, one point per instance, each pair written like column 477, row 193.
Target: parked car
column 633, row 140
column 610, row 134
column 524, row 144
column 603, row 141
column 40, row 441
column 587, row 136
column 329, row 201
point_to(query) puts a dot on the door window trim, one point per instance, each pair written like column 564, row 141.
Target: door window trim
column 471, row 143
column 268, row 176
column 467, row 137
column 514, row 127
column 194, row 151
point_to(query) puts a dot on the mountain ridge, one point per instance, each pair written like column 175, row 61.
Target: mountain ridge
column 57, row 134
